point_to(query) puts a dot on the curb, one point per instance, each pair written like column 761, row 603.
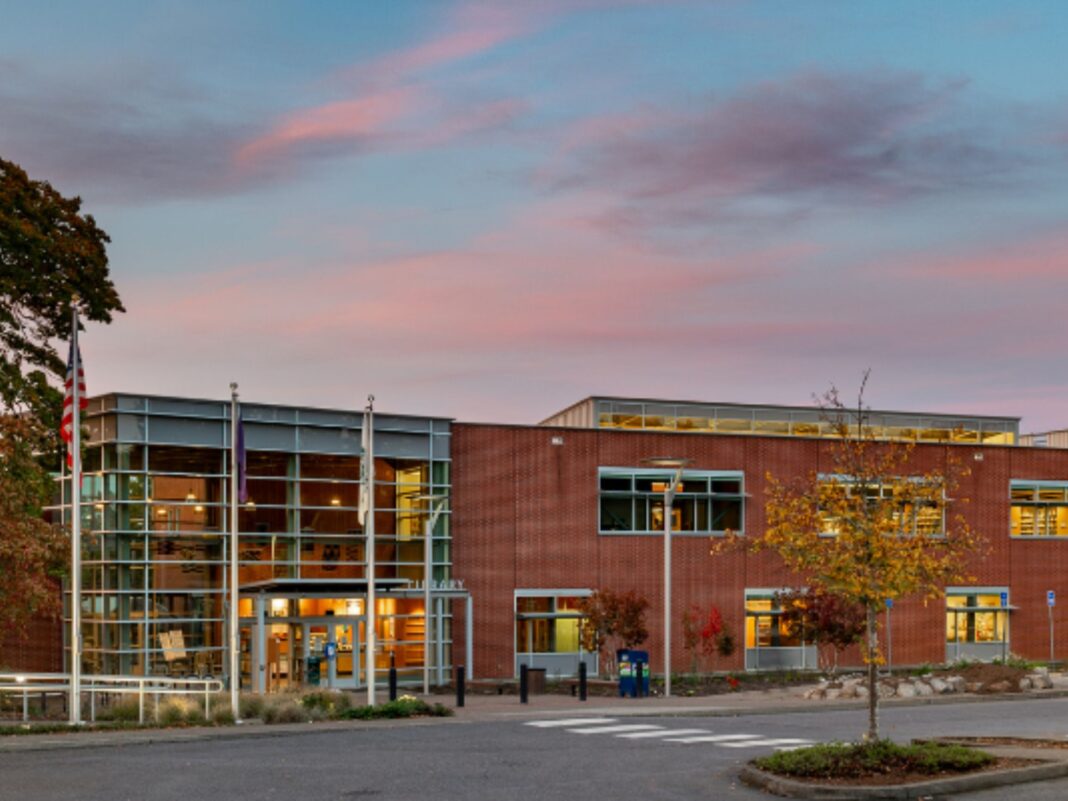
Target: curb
column 1053, row 769
column 791, row 707
column 75, row 740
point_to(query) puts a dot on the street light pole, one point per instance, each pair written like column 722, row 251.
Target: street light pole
column 669, row 498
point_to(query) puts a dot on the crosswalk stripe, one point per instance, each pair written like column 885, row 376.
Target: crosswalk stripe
column 756, row 743
column 715, row 738
column 616, row 729
column 665, row 733
column 548, row 724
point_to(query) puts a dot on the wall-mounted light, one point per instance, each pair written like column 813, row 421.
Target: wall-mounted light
column 190, row 496
column 335, row 501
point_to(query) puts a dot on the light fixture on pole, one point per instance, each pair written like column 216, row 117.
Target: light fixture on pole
column 435, row 506
column 672, row 487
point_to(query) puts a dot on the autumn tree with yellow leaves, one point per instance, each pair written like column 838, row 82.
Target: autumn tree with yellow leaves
column 872, row 529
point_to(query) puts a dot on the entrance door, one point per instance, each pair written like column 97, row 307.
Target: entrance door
column 345, row 668
column 343, row 671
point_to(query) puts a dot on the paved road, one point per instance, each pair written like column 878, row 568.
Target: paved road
column 564, row 757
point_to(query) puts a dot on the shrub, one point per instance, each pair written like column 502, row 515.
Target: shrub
column 404, row 707
column 251, row 706
column 1016, row 661
column 125, row 710
column 171, row 713
column 879, row 757
column 328, row 702
column 284, row 709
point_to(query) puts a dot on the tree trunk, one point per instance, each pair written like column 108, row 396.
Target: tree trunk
column 873, row 678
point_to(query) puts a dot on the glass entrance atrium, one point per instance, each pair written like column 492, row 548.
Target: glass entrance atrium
column 155, row 546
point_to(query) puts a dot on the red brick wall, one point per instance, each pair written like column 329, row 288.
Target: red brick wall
column 525, row 516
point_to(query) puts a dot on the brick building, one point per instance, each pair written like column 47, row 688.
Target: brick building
column 528, row 520
column 541, row 512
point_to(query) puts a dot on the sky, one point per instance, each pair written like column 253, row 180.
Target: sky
column 490, row 210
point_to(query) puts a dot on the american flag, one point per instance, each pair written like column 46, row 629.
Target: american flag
column 66, row 426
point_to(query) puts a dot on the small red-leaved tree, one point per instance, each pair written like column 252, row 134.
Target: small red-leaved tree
column 825, row 619
column 613, row 619
column 705, row 633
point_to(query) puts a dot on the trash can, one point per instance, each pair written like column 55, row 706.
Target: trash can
column 313, row 673
column 628, row 661
column 536, row 681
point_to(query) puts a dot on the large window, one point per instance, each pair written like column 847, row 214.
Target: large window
column 976, row 615
column 708, row 502
column 548, row 624
column 548, row 631
column 1039, row 508
column 764, row 627
column 914, row 510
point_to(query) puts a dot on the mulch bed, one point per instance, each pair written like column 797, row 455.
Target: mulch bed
column 889, row 779
column 1020, row 742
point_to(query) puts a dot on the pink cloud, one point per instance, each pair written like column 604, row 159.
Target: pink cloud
column 397, row 96
column 1044, row 258
column 355, row 119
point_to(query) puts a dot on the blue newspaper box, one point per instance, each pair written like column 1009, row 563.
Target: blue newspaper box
column 628, row 661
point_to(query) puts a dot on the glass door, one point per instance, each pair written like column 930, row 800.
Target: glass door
column 344, row 668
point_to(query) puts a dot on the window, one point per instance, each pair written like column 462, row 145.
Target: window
column 764, row 627
column 708, row 502
column 547, row 623
column 915, row 510
column 1039, row 508
column 975, row 615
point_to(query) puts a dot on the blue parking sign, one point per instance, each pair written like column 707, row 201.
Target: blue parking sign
column 889, row 603
column 1051, row 598
column 1004, row 599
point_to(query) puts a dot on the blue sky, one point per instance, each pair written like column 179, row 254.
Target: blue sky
column 489, row 210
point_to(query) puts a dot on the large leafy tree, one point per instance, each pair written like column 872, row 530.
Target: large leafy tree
column 873, row 527
column 52, row 258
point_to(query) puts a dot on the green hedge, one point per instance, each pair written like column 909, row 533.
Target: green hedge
column 854, row 761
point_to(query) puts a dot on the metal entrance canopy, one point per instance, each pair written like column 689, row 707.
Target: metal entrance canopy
column 331, row 588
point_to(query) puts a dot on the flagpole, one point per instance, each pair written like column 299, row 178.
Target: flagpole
column 368, row 465
column 235, row 631
column 76, row 530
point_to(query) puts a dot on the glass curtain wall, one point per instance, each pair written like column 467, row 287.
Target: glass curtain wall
column 155, row 545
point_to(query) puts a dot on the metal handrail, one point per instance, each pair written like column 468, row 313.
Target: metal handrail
column 46, row 683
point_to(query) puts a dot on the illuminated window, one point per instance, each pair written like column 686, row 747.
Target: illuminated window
column 911, row 514
column 975, row 616
column 1039, row 509
column 764, row 626
column 547, row 623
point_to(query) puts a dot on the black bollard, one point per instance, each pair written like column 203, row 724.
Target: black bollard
column 392, row 679
column 460, row 685
column 638, row 670
column 524, row 684
column 582, row 681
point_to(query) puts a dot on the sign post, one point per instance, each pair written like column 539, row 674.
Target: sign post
column 1051, row 601
column 1005, row 636
column 330, row 654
